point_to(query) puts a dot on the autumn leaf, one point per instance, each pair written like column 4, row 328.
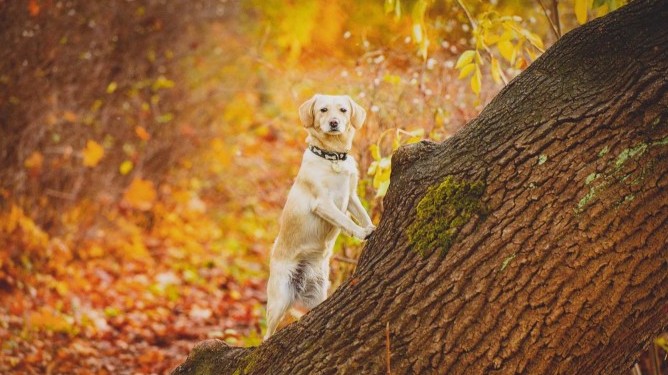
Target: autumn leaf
column 375, row 152
column 581, row 7
column 70, row 116
column 507, row 50
column 162, row 83
column 33, row 7
column 465, row 58
column 111, row 87
column 140, row 194
column 496, row 70
column 535, row 40
column 142, row 133
column 34, row 161
column 476, row 81
column 48, row 320
column 125, row 167
column 92, row 154
column 466, row 70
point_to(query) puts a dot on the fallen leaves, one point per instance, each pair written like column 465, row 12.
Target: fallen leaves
column 50, row 320
column 114, row 322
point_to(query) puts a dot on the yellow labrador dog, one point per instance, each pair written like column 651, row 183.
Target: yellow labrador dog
column 316, row 209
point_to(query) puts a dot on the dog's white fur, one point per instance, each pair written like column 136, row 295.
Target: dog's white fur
column 315, row 210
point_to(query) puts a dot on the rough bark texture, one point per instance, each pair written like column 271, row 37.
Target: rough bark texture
column 555, row 204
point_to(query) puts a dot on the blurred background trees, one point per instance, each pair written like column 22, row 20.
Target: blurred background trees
column 146, row 147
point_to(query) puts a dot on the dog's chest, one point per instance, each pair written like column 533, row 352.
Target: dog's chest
column 337, row 182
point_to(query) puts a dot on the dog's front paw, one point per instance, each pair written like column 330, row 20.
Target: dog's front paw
column 363, row 233
column 368, row 231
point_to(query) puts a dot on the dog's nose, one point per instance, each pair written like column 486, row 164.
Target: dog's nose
column 334, row 124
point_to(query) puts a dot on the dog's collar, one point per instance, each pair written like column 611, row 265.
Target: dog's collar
column 327, row 155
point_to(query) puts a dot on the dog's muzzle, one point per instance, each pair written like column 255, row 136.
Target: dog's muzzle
column 334, row 125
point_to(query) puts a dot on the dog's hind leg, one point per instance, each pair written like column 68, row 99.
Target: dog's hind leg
column 280, row 294
column 315, row 285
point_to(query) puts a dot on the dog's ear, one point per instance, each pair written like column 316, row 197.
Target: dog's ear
column 306, row 113
column 357, row 114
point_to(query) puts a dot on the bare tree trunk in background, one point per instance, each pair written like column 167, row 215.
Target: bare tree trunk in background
column 533, row 241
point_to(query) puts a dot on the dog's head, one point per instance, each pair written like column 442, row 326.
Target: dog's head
column 331, row 114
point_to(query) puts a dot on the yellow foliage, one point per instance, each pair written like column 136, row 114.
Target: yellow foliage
column 32, row 235
column 392, row 79
column 92, row 154
column 476, row 81
column 129, row 240
column 239, row 111
column 112, row 87
column 125, row 167
column 95, row 251
column 162, row 83
column 465, row 58
column 295, row 26
column 419, row 26
column 507, row 50
column 581, row 8
column 381, row 166
column 662, row 342
column 496, row 70
column 219, row 156
column 466, row 70
column 329, row 25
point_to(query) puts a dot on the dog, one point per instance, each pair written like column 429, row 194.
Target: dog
column 315, row 210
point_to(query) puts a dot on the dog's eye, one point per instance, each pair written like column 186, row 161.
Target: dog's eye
column 344, row 110
column 323, row 110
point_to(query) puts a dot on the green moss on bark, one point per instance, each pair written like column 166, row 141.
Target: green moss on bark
column 247, row 365
column 442, row 212
column 614, row 173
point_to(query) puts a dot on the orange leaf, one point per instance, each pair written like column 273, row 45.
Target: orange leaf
column 33, row 7
column 46, row 319
column 140, row 194
column 142, row 133
column 70, row 116
column 35, row 161
column 92, row 153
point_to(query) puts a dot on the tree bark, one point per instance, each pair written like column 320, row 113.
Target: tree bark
column 533, row 241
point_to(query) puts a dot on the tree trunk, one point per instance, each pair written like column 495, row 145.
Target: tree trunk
column 533, row 241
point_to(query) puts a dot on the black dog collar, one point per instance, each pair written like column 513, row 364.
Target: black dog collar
column 327, row 155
